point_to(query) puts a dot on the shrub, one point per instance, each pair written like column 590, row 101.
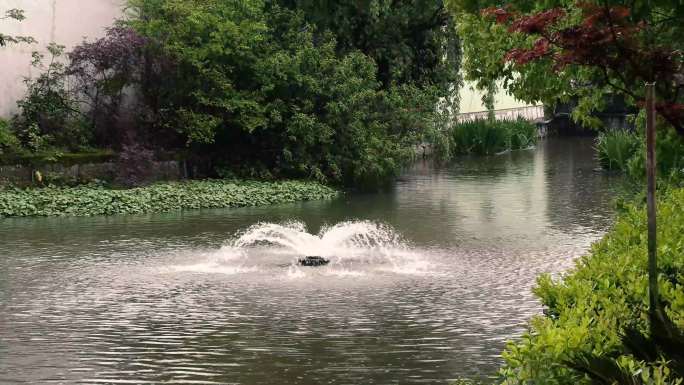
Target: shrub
column 607, row 292
column 669, row 157
column 49, row 115
column 103, row 72
column 486, row 137
column 163, row 197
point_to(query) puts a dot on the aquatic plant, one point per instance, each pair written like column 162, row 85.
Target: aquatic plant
column 614, row 148
column 626, row 152
column 486, row 137
column 589, row 312
column 91, row 200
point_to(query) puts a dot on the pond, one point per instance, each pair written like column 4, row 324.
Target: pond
column 427, row 280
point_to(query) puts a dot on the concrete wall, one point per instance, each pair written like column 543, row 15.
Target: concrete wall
column 65, row 22
column 20, row 175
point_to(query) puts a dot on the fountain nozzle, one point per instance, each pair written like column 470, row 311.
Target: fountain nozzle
column 313, row 261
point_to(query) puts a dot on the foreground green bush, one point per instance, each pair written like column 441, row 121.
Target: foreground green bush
column 485, row 137
column 91, row 200
column 588, row 310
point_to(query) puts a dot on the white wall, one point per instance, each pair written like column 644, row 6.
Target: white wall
column 66, row 22
column 471, row 100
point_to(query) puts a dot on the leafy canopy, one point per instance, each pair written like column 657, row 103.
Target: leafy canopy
column 252, row 82
column 579, row 57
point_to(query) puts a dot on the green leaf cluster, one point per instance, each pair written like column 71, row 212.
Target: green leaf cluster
column 590, row 307
column 412, row 42
column 50, row 118
column 89, row 200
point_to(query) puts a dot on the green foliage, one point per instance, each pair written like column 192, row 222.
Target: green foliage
column 669, row 157
column 615, row 148
column 606, row 293
column 486, row 137
column 8, row 141
column 411, row 41
column 49, row 115
column 256, row 84
column 626, row 152
column 97, row 200
column 485, row 44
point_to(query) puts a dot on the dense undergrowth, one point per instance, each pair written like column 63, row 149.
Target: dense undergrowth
column 590, row 308
column 89, row 200
column 486, row 137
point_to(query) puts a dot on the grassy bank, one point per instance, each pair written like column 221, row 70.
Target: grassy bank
column 589, row 310
column 94, row 200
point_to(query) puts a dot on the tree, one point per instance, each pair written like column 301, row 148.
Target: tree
column 410, row 41
column 101, row 72
column 14, row 14
column 486, row 42
column 413, row 43
column 259, row 90
column 625, row 52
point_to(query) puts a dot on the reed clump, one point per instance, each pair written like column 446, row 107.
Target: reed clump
column 488, row 137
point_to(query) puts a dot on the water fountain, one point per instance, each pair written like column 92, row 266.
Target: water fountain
column 346, row 248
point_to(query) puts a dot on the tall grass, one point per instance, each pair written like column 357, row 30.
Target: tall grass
column 486, row 137
column 626, row 152
column 615, row 148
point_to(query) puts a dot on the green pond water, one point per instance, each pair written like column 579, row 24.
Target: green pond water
column 427, row 280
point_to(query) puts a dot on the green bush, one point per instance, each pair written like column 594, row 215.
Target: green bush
column 669, row 157
column 97, row 200
column 486, row 137
column 588, row 310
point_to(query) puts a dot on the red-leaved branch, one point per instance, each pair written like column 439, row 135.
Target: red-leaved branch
column 609, row 39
